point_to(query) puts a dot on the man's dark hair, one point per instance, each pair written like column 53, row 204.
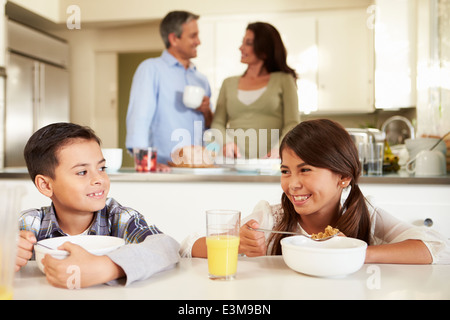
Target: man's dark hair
column 173, row 23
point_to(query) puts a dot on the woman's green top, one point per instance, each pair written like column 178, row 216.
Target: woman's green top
column 260, row 126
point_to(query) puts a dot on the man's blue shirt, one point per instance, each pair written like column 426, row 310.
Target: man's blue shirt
column 156, row 110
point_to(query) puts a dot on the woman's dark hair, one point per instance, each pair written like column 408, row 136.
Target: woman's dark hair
column 268, row 46
column 41, row 149
column 326, row 144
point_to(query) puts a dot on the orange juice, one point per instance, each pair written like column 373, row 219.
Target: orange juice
column 222, row 255
column 5, row 293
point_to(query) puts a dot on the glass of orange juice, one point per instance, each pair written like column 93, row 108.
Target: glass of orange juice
column 9, row 208
column 222, row 242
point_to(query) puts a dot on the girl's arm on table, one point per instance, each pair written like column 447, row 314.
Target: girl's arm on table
column 405, row 252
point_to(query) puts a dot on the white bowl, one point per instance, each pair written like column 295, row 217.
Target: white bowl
column 414, row 146
column 336, row 257
column 113, row 157
column 98, row 245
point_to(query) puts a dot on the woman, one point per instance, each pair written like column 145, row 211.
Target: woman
column 263, row 102
column 319, row 177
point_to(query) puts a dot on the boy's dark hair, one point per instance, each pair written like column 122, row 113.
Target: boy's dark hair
column 41, row 149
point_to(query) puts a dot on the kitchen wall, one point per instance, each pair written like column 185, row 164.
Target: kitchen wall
column 2, row 32
column 108, row 30
column 105, row 34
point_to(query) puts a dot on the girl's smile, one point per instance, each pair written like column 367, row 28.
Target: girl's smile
column 300, row 199
column 314, row 192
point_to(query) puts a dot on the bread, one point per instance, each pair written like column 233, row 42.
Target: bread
column 192, row 157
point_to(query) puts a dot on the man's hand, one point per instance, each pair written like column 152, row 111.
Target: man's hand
column 206, row 110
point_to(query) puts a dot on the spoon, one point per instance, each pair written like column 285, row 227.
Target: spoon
column 439, row 141
column 293, row 233
column 44, row 246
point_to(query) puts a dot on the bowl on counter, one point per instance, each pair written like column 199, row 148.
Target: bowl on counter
column 113, row 157
column 336, row 257
column 414, row 146
column 94, row 244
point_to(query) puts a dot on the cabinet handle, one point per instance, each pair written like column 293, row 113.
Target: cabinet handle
column 428, row 222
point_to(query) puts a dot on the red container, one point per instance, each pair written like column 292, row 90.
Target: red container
column 145, row 159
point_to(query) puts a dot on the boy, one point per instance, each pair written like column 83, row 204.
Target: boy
column 66, row 164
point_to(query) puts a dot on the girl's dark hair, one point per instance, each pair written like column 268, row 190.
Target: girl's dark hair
column 326, row 144
column 41, row 149
column 268, row 46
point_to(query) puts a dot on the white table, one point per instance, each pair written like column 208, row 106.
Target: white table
column 257, row 279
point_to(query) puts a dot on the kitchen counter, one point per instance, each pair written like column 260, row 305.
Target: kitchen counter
column 177, row 202
column 262, row 278
column 227, row 175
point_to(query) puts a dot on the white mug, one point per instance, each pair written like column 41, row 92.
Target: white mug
column 428, row 163
column 193, row 96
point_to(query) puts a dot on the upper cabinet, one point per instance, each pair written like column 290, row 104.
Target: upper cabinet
column 346, row 68
column 332, row 52
column 395, row 53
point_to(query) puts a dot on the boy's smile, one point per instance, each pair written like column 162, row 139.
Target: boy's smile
column 81, row 185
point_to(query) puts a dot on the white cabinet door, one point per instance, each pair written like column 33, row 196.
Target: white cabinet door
column 332, row 52
column 345, row 62
column 299, row 34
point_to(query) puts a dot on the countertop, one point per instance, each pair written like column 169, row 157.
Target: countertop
column 230, row 175
column 262, row 278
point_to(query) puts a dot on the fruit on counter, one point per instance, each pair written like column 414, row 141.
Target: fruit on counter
column 145, row 160
column 390, row 161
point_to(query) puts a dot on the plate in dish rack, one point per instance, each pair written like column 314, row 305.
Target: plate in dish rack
column 258, row 165
column 199, row 170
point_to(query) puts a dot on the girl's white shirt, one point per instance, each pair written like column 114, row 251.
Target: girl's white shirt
column 385, row 229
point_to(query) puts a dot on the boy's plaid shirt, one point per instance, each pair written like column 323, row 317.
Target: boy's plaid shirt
column 113, row 220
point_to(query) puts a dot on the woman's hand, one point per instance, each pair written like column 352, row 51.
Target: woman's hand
column 252, row 243
column 231, row 150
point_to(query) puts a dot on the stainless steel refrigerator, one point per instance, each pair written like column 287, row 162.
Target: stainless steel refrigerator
column 37, row 87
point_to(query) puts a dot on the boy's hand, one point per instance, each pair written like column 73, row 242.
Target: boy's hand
column 25, row 247
column 252, row 243
column 80, row 269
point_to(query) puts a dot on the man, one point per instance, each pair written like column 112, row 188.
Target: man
column 156, row 111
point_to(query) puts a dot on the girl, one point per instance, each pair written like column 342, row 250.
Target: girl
column 319, row 174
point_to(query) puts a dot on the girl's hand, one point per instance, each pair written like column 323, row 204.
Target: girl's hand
column 252, row 243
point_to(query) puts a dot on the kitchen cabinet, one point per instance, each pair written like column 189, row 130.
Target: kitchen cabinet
column 345, row 73
column 331, row 50
column 396, row 54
